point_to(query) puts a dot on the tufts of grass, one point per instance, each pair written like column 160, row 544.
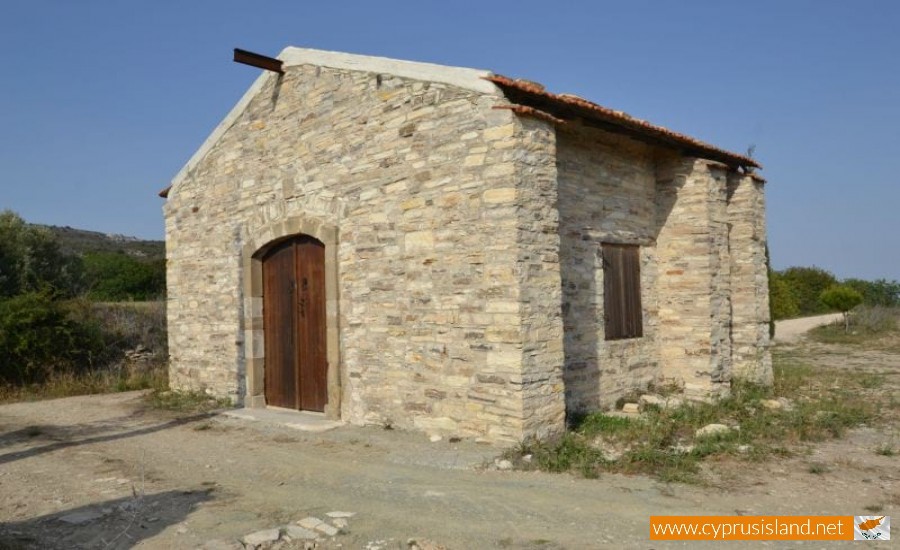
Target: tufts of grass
column 186, row 401
column 886, row 450
column 119, row 328
column 868, row 326
column 662, row 443
column 67, row 384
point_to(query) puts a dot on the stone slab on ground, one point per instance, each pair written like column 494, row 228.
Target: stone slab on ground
column 299, row 420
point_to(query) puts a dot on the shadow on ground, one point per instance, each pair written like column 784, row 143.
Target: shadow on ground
column 114, row 524
column 61, row 437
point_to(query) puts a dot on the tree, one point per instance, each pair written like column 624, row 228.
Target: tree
column 843, row 299
column 806, row 285
column 782, row 302
column 876, row 293
column 31, row 260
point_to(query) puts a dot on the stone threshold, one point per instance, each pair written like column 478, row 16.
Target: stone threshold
column 305, row 421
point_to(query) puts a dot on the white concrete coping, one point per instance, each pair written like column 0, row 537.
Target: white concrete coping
column 460, row 77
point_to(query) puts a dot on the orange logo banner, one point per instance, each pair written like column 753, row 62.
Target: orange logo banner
column 751, row 527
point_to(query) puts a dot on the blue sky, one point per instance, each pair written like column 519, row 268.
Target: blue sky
column 102, row 102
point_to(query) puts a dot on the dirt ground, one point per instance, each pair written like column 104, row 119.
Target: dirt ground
column 108, row 472
column 791, row 331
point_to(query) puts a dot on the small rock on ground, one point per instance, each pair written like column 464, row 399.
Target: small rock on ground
column 222, row 545
column 80, row 518
column 327, row 529
column 309, row 522
column 296, row 532
column 423, row 544
column 649, row 399
column 262, row 537
column 504, row 465
column 339, row 514
column 771, row 404
column 631, row 408
column 712, row 430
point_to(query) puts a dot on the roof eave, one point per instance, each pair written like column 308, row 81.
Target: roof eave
column 565, row 107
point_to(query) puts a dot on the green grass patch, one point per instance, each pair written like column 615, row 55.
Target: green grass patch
column 186, row 401
column 662, row 442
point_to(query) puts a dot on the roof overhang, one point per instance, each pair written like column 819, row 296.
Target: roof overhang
column 562, row 107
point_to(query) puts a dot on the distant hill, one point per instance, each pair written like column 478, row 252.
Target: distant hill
column 80, row 241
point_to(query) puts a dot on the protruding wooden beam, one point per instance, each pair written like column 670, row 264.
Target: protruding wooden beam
column 257, row 60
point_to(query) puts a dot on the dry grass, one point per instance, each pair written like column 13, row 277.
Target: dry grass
column 100, row 381
column 126, row 326
column 824, row 404
column 875, row 328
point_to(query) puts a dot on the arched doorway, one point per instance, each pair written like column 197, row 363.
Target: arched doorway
column 296, row 360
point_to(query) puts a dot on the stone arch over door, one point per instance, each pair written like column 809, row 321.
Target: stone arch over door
column 258, row 243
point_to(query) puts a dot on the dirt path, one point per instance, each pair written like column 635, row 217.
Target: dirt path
column 791, row 330
column 106, row 472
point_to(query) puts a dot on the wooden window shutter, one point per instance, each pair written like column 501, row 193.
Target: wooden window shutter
column 622, row 291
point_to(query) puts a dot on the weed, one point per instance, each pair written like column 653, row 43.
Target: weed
column 662, row 442
column 600, row 423
column 874, row 508
column 185, row 401
column 818, row 468
column 66, row 384
column 868, row 325
column 886, row 450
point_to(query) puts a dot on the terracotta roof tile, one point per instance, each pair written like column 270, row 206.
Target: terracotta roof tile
column 525, row 110
column 531, row 94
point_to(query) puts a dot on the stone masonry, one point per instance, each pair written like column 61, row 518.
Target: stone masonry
column 464, row 292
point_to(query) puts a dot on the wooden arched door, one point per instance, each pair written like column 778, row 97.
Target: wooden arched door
column 294, row 324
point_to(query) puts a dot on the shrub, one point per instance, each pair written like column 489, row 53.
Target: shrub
column 876, row 293
column 116, row 277
column 782, row 302
column 806, row 284
column 875, row 320
column 133, row 324
column 39, row 335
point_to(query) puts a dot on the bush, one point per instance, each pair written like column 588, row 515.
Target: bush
column 875, row 320
column 806, row 284
column 113, row 277
column 132, row 325
column 39, row 335
column 782, row 302
column 876, row 293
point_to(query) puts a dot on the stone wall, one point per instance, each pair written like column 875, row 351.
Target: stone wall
column 751, row 359
column 538, row 273
column 607, row 193
column 465, row 282
column 445, row 324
